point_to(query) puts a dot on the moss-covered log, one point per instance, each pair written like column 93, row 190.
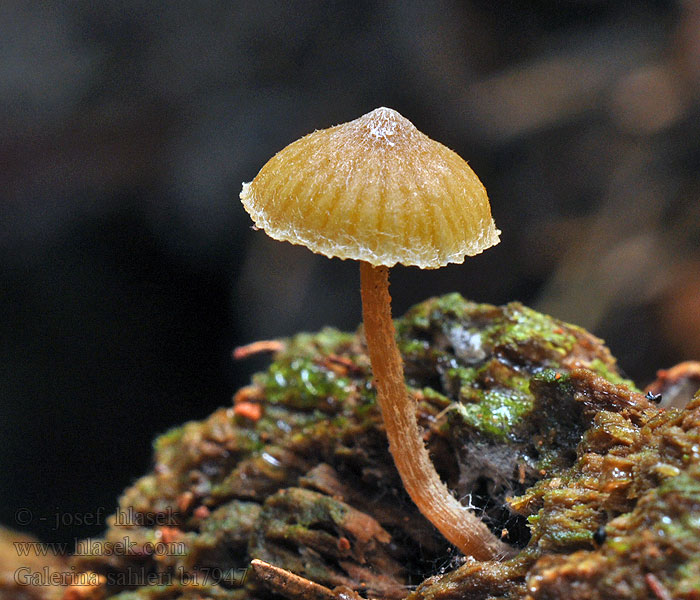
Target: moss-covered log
column 527, row 420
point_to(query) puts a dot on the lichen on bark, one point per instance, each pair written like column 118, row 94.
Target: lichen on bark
column 526, row 418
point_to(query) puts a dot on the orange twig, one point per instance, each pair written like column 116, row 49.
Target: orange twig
column 256, row 348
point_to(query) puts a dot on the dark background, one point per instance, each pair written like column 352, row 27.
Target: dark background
column 128, row 269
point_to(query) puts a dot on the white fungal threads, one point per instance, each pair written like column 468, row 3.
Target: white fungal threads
column 383, row 124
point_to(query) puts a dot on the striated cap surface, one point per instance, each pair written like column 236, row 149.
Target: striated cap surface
column 373, row 189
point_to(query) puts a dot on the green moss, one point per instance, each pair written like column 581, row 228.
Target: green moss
column 553, row 376
column 409, row 347
column 567, row 534
column 451, row 305
column 611, row 375
column 526, row 326
column 297, row 379
column 462, row 376
column 676, row 492
column 618, row 544
column 473, row 346
column 231, row 518
column 496, row 412
column 302, row 384
column 170, row 438
column 422, row 316
column 327, row 341
column 515, row 324
column 435, row 397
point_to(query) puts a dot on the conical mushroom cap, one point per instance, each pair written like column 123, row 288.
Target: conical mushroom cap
column 374, row 189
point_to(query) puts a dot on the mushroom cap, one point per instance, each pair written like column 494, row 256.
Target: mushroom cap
column 374, row 189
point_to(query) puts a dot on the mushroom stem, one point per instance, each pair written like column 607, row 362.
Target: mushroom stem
column 457, row 523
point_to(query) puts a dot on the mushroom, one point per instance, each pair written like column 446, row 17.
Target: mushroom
column 379, row 191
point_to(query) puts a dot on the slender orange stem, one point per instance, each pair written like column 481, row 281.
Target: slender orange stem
column 457, row 523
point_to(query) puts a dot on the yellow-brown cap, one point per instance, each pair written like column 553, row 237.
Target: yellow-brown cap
column 374, row 189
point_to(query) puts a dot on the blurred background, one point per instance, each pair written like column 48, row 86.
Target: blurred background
column 128, row 268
